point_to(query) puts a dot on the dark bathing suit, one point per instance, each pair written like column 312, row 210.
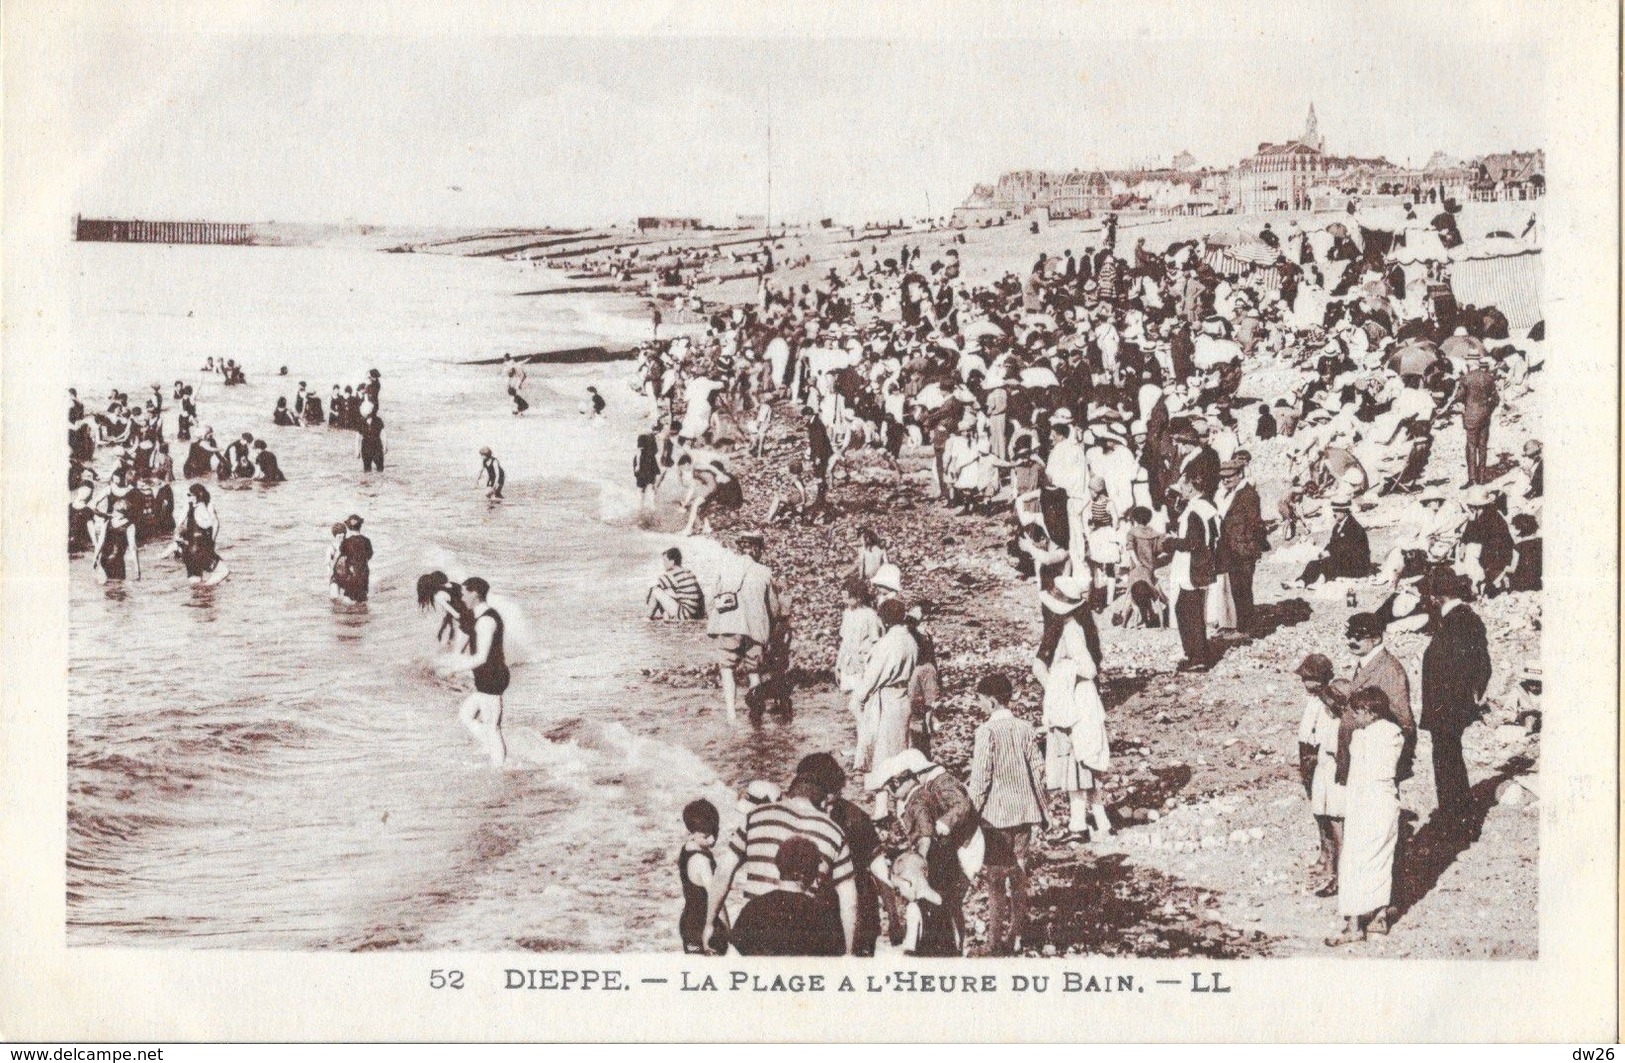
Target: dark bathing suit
column 197, row 546
column 353, row 573
column 492, row 676
column 114, row 545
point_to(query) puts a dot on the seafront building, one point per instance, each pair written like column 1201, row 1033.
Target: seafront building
column 1296, row 174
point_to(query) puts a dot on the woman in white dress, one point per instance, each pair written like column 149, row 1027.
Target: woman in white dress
column 860, row 629
column 1365, row 867
column 880, row 698
column 1076, row 748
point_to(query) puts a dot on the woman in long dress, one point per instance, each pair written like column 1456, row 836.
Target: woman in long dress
column 860, row 630
column 880, row 698
column 1365, row 867
column 1076, row 748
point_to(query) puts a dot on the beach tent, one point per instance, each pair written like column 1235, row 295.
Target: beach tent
column 1039, row 376
column 1229, row 251
column 1499, row 272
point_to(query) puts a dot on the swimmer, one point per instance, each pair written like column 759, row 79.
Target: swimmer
column 596, row 401
column 487, row 660
column 437, row 591
column 266, row 469
column 516, row 383
column 492, row 476
column 646, row 468
column 369, row 444
column 115, row 541
column 197, row 539
column 350, row 560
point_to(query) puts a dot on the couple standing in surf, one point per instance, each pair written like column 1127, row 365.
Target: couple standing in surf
column 464, row 608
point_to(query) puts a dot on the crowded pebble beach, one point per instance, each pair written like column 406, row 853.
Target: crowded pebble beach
column 1209, row 846
column 1027, row 588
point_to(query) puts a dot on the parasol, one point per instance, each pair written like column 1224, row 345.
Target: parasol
column 1462, row 348
column 1341, row 463
column 1414, row 358
column 977, row 330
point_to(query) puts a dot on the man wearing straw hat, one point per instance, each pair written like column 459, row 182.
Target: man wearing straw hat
column 1242, row 538
column 1347, row 554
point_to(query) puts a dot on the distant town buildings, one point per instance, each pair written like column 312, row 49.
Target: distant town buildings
column 667, row 224
column 1298, row 174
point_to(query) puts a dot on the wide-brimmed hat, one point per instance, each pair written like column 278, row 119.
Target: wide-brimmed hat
column 1231, row 466
column 1431, row 495
column 888, row 577
column 1478, row 495
column 1060, row 417
column 1065, row 594
column 909, row 762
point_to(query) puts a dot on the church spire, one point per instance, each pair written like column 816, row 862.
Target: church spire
column 1311, row 130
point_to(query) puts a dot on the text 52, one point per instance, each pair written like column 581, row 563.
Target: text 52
column 439, row 979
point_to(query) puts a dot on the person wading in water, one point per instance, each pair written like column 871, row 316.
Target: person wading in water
column 492, row 477
column 487, row 660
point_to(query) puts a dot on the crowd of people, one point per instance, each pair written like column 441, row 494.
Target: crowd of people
column 111, row 513
column 1111, row 408
column 121, row 473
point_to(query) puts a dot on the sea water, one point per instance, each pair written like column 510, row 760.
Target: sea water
column 251, row 767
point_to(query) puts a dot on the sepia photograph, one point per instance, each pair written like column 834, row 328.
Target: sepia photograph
column 764, row 493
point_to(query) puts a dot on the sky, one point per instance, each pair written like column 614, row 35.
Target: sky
column 475, row 129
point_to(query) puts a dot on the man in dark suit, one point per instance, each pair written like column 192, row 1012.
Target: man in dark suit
column 1192, row 570
column 1242, row 539
column 1455, row 674
column 1347, row 553
column 1376, row 667
column 819, row 449
column 1477, row 391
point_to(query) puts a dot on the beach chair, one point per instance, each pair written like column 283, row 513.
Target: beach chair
column 1408, row 480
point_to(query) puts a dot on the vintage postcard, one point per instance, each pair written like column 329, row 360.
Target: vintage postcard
column 810, row 522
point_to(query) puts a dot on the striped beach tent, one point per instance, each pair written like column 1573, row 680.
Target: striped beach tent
column 1501, row 272
column 1234, row 252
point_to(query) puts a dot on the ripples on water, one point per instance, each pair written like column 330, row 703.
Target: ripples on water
column 250, row 767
